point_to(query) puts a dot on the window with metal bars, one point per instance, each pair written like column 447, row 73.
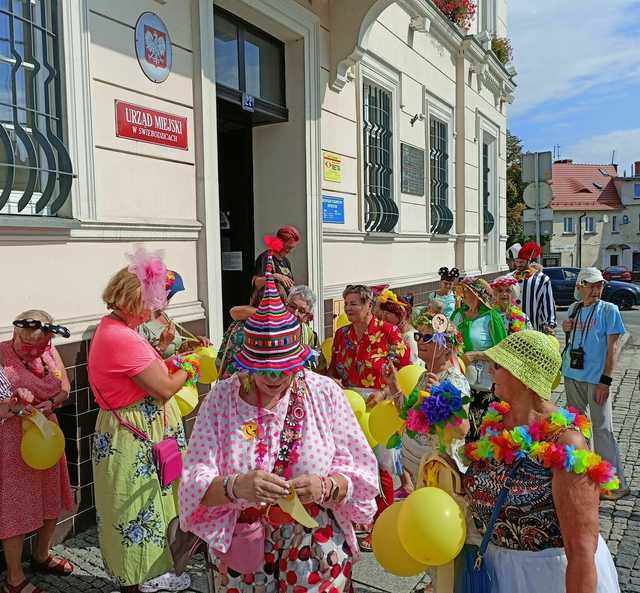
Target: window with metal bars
column 441, row 215
column 35, row 167
column 487, row 186
column 381, row 210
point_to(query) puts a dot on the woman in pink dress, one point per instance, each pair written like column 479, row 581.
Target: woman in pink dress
column 31, row 499
column 270, row 431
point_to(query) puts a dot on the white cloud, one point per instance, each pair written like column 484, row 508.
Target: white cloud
column 598, row 149
column 565, row 49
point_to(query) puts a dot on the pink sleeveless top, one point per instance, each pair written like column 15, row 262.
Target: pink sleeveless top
column 43, row 387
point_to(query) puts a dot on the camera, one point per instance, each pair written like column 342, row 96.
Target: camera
column 576, row 358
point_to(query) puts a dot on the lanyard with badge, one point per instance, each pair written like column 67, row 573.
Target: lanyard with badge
column 576, row 355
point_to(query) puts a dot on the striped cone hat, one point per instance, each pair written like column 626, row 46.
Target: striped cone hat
column 272, row 335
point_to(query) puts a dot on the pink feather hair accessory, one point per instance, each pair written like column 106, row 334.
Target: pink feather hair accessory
column 152, row 273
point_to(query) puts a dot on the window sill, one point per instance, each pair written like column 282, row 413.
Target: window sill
column 23, row 221
column 590, row 233
column 568, row 234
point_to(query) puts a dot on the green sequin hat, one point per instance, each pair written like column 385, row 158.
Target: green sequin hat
column 531, row 357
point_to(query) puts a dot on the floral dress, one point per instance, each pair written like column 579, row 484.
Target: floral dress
column 133, row 509
column 359, row 363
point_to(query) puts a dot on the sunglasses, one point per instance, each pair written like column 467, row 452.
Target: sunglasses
column 59, row 330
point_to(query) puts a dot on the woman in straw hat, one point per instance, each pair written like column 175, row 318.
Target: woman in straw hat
column 533, row 484
column 481, row 327
column 271, row 437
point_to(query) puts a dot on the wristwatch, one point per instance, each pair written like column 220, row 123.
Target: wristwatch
column 606, row 380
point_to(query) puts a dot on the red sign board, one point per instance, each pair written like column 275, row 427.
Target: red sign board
column 149, row 125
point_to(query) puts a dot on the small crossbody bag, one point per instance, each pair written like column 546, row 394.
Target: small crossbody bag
column 478, row 576
column 166, row 454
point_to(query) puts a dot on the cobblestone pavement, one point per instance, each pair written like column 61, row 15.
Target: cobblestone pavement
column 620, row 521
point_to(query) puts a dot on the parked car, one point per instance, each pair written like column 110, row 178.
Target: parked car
column 563, row 282
column 617, row 273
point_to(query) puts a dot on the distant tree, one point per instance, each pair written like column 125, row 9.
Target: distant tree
column 515, row 190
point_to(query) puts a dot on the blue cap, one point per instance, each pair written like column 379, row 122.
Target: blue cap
column 174, row 283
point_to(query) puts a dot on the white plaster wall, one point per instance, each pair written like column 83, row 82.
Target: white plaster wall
column 144, row 193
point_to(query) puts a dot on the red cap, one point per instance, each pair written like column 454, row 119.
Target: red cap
column 529, row 251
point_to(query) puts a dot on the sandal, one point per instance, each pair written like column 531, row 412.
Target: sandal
column 24, row 587
column 53, row 565
column 365, row 544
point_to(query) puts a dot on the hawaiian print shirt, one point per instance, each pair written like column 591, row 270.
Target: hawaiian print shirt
column 359, row 364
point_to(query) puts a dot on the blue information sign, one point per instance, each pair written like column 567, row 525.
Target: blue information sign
column 332, row 210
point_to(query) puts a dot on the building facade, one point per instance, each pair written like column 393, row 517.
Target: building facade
column 596, row 217
column 377, row 127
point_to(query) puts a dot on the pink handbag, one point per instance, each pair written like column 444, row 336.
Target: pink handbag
column 168, row 460
column 246, row 553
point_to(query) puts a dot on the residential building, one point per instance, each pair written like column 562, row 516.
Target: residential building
column 627, row 240
column 586, row 208
column 377, row 127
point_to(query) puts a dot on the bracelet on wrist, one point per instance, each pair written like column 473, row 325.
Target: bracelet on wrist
column 606, row 380
column 189, row 363
column 323, row 491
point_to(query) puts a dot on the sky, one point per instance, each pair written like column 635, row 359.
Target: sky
column 578, row 64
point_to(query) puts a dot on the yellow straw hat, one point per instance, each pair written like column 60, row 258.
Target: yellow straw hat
column 532, row 357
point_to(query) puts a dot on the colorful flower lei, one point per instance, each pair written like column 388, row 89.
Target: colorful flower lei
column 434, row 412
column 524, row 274
column 517, row 320
column 190, row 363
column 496, row 442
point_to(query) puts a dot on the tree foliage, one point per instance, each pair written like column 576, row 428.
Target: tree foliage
column 515, row 190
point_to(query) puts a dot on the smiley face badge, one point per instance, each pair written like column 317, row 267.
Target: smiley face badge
column 250, row 430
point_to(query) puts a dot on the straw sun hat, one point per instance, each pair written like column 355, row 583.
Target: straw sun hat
column 532, row 357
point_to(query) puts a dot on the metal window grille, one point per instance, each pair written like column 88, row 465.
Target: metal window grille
column 488, row 219
column 441, row 215
column 381, row 210
column 35, row 168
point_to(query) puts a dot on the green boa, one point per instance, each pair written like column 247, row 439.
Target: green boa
column 496, row 325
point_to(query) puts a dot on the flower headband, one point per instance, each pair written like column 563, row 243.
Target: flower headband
column 152, row 274
column 506, row 281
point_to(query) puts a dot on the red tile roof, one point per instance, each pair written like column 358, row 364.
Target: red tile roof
column 584, row 187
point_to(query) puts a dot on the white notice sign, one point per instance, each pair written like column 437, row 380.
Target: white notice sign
column 232, row 261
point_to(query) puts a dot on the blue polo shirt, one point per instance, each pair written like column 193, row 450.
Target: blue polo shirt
column 604, row 321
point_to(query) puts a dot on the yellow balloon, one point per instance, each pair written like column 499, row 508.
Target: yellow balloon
column 342, row 320
column 39, row 451
column 208, row 369
column 326, row 348
column 385, row 421
column 408, row 377
column 187, row 399
column 363, row 420
column 387, row 547
column 356, row 401
column 431, row 526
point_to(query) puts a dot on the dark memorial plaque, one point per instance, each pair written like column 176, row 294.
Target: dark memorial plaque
column 412, row 166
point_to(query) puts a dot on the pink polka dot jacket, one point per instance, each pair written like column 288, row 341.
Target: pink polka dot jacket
column 223, row 443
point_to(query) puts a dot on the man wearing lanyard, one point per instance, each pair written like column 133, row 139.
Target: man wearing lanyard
column 593, row 332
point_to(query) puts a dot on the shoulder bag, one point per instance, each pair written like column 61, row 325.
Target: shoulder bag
column 478, row 576
column 166, row 454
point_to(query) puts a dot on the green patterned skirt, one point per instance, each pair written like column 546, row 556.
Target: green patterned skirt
column 133, row 510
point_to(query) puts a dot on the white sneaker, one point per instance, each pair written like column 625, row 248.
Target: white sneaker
column 168, row 581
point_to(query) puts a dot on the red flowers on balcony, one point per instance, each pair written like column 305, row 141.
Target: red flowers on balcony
column 460, row 12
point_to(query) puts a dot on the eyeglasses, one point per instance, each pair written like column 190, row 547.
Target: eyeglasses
column 294, row 310
column 59, row 330
column 424, row 338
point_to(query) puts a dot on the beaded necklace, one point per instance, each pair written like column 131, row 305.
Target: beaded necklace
column 291, row 434
column 536, row 442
